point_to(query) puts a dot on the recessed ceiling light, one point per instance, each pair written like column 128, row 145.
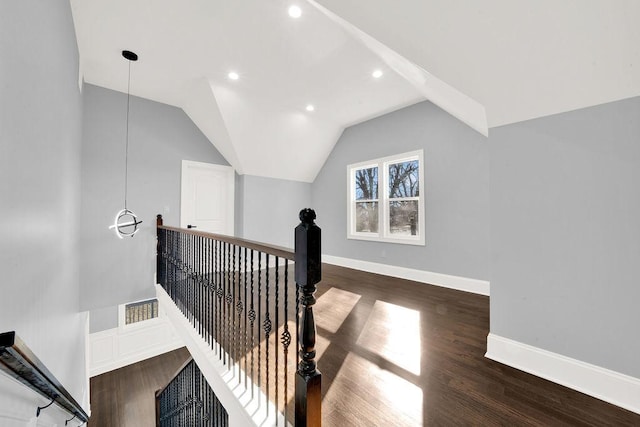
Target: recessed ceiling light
column 377, row 74
column 310, row 107
column 295, row 12
column 233, row 75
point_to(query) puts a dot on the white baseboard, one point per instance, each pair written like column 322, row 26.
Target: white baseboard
column 610, row 386
column 118, row 347
column 444, row 280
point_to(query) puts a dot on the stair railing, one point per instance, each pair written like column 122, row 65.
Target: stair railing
column 19, row 362
column 188, row 400
column 241, row 298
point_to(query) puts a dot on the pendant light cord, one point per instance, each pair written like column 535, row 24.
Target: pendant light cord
column 126, row 157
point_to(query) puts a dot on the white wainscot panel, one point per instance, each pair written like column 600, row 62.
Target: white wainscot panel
column 125, row 345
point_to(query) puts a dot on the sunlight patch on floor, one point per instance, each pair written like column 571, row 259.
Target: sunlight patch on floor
column 390, row 399
column 333, row 307
column 393, row 332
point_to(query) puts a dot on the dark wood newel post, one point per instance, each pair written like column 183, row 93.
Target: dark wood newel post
column 308, row 272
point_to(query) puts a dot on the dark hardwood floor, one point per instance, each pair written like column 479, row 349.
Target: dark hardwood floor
column 126, row 397
column 392, row 353
column 399, row 353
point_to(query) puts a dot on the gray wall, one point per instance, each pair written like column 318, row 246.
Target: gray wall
column 456, row 191
column 565, row 258
column 115, row 271
column 40, row 137
column 270, row 208
column 239, row 206
column 103, row 318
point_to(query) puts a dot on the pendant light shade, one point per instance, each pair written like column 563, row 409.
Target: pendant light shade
column 126, row 222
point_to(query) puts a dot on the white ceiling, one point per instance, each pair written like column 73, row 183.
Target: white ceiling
column 521, row 59
column 515, row 59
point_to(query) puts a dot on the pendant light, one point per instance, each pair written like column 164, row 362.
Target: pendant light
column 126, row 222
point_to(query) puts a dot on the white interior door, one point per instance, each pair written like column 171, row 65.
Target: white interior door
column 207, row 197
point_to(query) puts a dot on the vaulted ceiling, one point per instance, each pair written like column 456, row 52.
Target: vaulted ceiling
column 487, row 63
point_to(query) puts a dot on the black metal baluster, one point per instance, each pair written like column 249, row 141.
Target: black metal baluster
column 244, row 348
column 172, row 267
column 199, row 418
column 159, row 257
column 188, row 279
column 228, row 301
column 192, row 397
column 267, row 329
column 275, row 336
column 196, row 284
column 181, row 272
column 259, row 319
column 213, row 294
column 176, row 270
column 192, row 281
column 183, row 281
column 200, row 289
column 188, row 309
column 174, row 273
column 239, row 307
column 252, row 318
column 232, row 310
column 206, row 402
column 169, row 267
column 216, row 282
column 193, row 303
column 204, row 279
column 219, row 294
column 223, row 330
column 209, row 294
column 286, row 339
column 196, row 281
column 185, row 276
column 203, row 289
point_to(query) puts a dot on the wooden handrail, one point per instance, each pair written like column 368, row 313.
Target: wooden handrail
column 278, row 251
column 17, row 360
column 178, row 371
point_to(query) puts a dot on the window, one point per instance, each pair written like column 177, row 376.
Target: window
column 386, row 199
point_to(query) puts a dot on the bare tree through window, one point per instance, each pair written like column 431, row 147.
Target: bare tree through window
column 404, row 190
column 367, row 200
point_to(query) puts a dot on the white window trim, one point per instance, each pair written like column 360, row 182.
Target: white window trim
column 383, row 234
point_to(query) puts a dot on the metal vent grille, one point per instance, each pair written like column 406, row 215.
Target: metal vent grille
column 140, row 311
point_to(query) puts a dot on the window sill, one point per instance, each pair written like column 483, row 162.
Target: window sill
column 418, row 241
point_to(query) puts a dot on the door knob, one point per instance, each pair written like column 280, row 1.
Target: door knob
column 191, row 226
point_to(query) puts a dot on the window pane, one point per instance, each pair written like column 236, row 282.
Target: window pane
column 403, row 218
column 403, row 179
column 367, row 217
column 367, row 184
